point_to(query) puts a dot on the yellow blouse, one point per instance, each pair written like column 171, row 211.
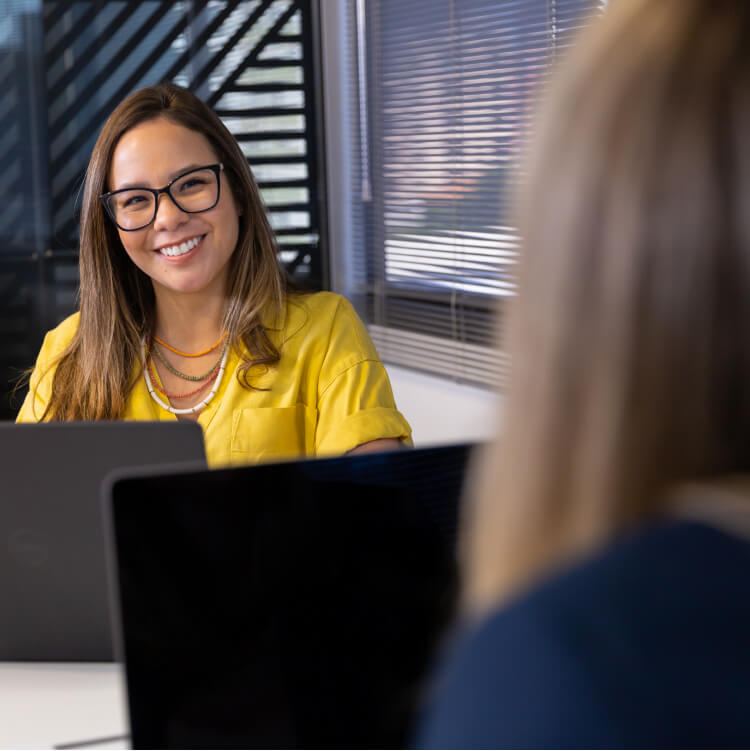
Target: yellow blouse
column 328, row 393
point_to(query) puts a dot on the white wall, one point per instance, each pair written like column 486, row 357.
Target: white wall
column 442, row 411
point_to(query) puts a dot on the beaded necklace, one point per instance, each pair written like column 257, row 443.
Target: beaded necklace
column 191, row 354
column 185, row 377
column 208, row 379
column 186, row 410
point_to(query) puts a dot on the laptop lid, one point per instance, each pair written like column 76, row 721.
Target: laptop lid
column 53, row 581
column 285, row 605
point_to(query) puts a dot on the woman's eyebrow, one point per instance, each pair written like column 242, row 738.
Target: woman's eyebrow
column 185, row 169
column 172, row 176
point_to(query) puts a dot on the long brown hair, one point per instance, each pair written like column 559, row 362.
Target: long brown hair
column 630, row 337
column 95, row 373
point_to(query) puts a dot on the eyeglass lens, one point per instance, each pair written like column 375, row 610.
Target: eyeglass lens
column 194, row 192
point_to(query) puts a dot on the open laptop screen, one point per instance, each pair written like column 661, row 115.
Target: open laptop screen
column 285, row 605
column 54, row 602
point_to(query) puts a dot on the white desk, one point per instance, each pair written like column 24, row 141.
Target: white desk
column 45, row 704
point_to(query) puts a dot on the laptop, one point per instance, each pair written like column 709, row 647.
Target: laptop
column 53, row 582
column 284, row 605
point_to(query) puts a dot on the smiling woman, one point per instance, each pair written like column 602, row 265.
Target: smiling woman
column 185, row 312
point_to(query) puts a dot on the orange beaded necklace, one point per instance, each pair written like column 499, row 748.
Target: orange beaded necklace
column 191, row 354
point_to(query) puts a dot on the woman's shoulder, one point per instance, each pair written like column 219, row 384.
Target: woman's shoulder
column 642, row 584
column 58, row 338
column 325, row 327
column 40, row 383
column 587, row 656
column 320, row 313
column 317, row 304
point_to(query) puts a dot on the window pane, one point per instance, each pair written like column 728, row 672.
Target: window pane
column 449, row 90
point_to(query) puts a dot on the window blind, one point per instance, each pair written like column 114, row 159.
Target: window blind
column 446, row 94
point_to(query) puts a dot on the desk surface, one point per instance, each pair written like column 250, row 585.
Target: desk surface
column 45, row 704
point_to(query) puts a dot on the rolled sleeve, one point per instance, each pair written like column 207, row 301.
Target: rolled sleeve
column 358, row 407
column 355, row 401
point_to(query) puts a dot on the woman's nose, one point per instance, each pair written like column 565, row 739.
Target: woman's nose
column 169, row 216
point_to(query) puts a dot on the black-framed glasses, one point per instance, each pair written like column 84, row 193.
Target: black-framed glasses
column 193, row 191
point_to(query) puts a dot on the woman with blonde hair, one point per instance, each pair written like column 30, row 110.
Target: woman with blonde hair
column 185, row 312
column 607, row 548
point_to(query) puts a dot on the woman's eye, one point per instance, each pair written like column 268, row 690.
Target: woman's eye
column 192, row 182
column 133, row 200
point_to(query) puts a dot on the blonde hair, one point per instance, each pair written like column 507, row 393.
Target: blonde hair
column 96, row 372
column 630, row 336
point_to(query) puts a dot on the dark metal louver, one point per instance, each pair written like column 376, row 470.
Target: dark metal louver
column 251, row 60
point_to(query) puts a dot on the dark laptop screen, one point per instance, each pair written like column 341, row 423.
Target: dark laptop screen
column 54, row 600
column 286, row 605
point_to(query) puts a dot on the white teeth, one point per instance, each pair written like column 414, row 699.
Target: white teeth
column 181, row 249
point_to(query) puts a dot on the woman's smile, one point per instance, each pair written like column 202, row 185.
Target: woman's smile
column 181, row 249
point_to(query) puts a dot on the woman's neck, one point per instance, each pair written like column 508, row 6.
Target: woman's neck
column 189, row 323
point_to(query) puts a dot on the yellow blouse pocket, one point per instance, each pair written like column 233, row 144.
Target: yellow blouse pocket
column 272, row 433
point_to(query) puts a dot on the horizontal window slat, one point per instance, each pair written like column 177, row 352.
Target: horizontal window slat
column 261, row 112
column 263, row 135
column 463, row 361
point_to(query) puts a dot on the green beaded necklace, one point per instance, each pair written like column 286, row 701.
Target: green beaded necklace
column 185, row 376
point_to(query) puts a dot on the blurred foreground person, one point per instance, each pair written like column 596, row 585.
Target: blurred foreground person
column 607, row 576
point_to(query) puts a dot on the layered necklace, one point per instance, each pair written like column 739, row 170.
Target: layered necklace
column 214, row 375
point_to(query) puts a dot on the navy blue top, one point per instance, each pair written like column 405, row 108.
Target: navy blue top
column 646, row 644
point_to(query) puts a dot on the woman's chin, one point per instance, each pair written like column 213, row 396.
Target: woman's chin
column 187, row 284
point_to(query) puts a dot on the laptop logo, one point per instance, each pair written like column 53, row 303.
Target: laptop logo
column 28, row 547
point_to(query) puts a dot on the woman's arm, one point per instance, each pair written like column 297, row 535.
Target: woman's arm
column 379, row 444
column 355, row 405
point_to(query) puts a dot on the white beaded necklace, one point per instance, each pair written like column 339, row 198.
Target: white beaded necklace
column 186, row 410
